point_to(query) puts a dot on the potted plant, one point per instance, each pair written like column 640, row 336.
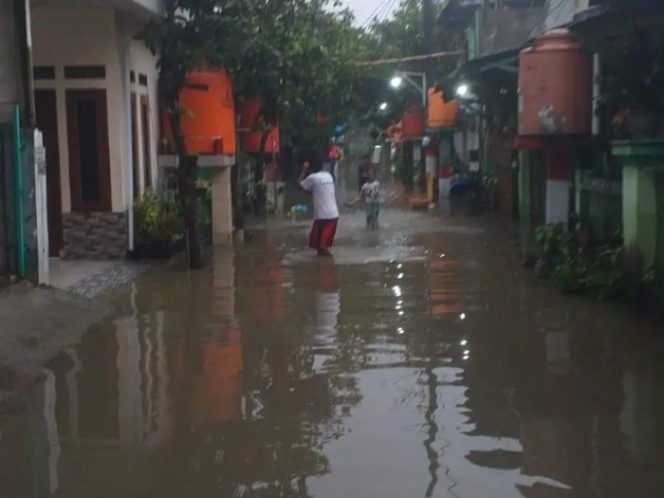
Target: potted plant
column 552, row 238
column 159, row 227
column 605, row 277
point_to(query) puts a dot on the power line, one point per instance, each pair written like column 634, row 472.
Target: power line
column 373, row 14
column 434, row 55
column 386, row 11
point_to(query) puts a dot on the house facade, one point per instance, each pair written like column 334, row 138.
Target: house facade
column 95, row 89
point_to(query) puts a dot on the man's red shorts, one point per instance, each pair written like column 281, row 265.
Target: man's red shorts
column 322, row 234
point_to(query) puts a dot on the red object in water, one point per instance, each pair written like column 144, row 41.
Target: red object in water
column 208, row 124
column 219, row 388
column 250, row 117
column 412, row 122
column 555, row 86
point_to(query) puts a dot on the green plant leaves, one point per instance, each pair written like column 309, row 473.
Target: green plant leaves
column 598, row 270
column 157, row 220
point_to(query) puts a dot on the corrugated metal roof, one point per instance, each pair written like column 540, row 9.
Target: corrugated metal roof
column 509, row 29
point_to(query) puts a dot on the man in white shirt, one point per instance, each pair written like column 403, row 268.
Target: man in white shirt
column 326, row 213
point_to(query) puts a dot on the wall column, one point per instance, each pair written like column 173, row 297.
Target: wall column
column 640, row 211
column 222, row 207
column 557, row 186
column 641, row 160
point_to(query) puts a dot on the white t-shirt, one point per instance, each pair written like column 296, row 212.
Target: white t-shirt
column 371, row 191
column 321, row 185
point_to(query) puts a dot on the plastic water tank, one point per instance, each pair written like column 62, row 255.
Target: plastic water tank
column 441, row 114
column 555, row 86
column 412, row 122
column 209, row 121
column 251, row 140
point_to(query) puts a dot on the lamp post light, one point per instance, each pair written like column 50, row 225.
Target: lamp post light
column 463, row 90
column 411, row 78
column 396, row 82
column 383, row 107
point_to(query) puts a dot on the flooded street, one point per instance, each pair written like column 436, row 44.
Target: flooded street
column 421, row 361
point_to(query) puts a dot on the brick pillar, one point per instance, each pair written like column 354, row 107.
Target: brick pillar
column 222, row 207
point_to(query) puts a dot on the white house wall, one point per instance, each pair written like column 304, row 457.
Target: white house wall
column 142, row 62
column 82, row 36
column 92, row 35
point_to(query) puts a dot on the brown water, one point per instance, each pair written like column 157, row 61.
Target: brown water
column 421, row 361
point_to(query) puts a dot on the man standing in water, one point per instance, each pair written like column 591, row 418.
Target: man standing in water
column 326, row 213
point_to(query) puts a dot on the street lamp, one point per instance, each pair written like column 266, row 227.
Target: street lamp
column 383, row 106
column 396, row 82
column 463, row 90
column 411, row 78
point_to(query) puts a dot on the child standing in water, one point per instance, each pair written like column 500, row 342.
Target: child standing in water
column 370, row 195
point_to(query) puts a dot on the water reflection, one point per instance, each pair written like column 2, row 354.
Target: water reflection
column 428, row 377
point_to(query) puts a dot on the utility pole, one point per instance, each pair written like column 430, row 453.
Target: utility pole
column 431, row 150
column 427, row 39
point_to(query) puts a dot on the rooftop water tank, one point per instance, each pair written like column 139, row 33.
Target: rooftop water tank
column 208, row 122
column 555, row 86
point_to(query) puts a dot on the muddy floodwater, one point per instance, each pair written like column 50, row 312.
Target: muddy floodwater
column 421, row 361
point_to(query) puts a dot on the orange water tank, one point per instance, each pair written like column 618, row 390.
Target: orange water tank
column 441, row 114
column 555, row 86
column 251, row 140
column 209, row 121
column 412, row 122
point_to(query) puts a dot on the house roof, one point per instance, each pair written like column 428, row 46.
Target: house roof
column 142, row 9
column 506, row 30
column 612, row 22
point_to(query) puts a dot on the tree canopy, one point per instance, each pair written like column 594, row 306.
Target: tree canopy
column 298, row 56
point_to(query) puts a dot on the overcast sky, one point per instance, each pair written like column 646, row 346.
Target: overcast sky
column 365, row 8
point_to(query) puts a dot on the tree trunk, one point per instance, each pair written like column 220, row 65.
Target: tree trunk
column 187, row 174
column 259, row 173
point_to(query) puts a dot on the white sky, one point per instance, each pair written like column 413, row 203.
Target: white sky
column 365, row 8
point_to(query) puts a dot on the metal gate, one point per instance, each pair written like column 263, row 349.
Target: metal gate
column 19, row 223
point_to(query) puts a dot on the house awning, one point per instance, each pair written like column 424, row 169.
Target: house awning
column 475, row 69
